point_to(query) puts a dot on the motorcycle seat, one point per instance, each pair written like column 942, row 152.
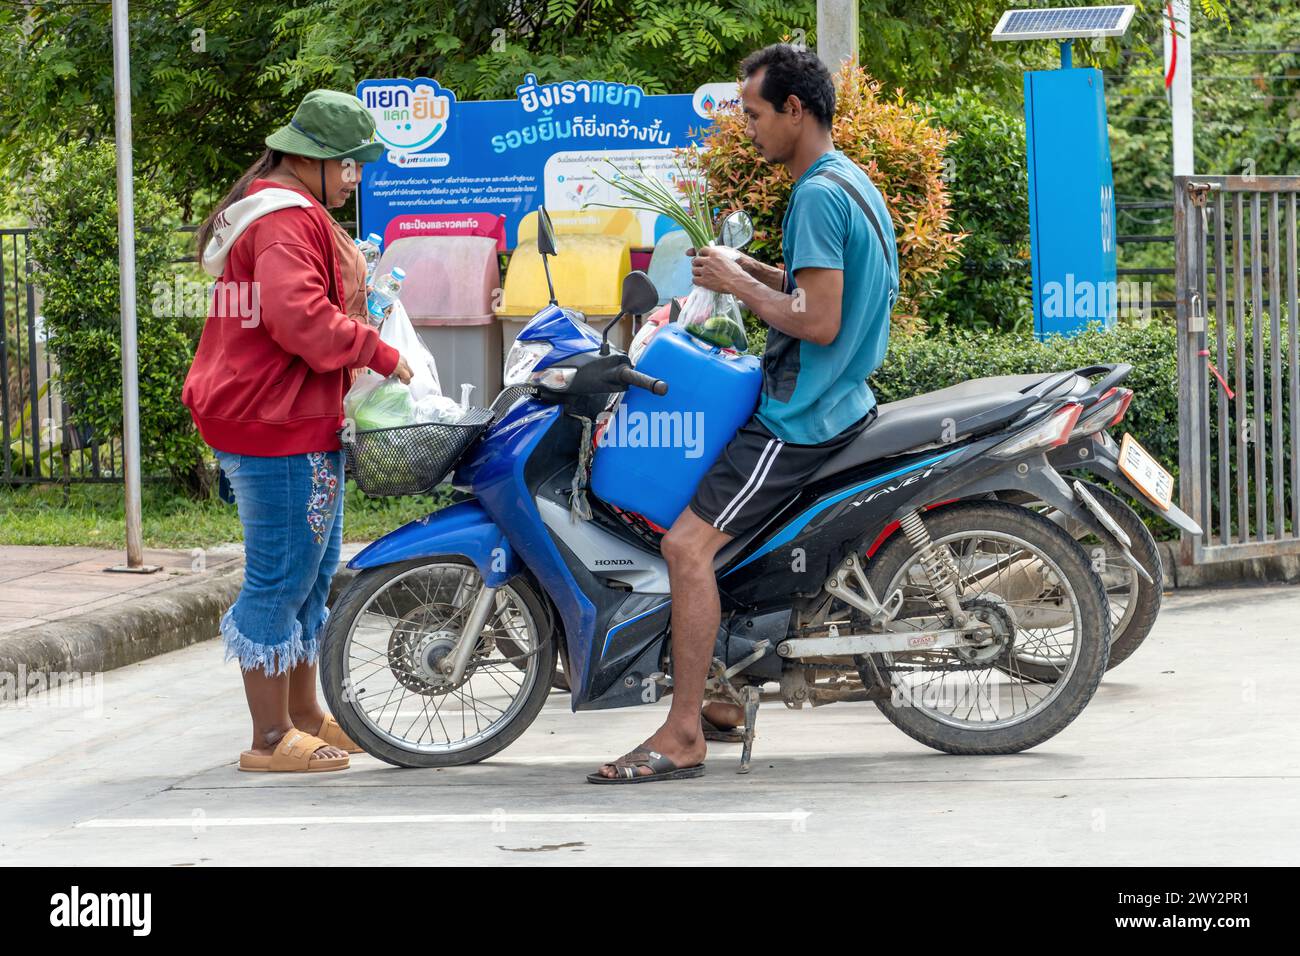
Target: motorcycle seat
column 1046, row 385
column 928, row 420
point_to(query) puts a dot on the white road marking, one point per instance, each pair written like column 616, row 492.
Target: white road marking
column 199, row 822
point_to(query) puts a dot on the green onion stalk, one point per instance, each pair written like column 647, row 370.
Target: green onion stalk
column 711, row 316
column 648, row 194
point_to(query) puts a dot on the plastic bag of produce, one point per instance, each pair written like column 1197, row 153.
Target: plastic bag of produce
column 398, row 332
column 714, row 317
column 387, row 405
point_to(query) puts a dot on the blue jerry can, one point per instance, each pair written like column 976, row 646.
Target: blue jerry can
column 656, row 448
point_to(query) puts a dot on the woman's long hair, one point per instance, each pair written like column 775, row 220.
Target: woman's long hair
column 263, row 165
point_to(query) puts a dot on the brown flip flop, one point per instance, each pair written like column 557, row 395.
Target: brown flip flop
column 293, row 755
column 335, row 736
column 661, row 768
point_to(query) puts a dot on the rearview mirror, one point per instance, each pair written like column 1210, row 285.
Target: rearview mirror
column 545, row 233
column 639, row 294
column 737, row 230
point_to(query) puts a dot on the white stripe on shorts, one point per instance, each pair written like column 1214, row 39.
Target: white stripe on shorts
column 761, row 467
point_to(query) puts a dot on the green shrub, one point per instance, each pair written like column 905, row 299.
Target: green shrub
column 75, row 247
column 990, row 285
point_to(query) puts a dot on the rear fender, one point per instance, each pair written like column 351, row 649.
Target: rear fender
column 1035, row 475
column 1103, row 461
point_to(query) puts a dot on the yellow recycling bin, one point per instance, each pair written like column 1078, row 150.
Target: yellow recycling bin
column 587, row 271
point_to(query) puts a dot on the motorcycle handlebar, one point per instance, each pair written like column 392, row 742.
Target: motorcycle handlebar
column 630, row 376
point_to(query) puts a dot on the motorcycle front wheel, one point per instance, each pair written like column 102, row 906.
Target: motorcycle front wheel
column 380, row 652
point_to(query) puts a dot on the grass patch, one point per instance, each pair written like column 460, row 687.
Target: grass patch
column 94, row 516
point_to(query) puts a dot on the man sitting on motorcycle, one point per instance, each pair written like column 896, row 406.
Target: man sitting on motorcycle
column 827, row 313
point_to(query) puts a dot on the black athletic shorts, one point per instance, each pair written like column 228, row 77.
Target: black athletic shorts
column 757, row 473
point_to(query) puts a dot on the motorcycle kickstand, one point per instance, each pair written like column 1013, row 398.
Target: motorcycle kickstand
column 749, row 700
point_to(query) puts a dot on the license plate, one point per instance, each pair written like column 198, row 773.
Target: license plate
column 1141, row 468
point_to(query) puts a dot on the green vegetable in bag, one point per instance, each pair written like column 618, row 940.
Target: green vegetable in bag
column 722, row 331
column 387, row 406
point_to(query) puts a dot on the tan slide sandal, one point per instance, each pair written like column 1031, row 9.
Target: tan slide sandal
column 335, row 736
column 293, row 755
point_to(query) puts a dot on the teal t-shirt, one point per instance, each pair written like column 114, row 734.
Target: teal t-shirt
column 811, row 392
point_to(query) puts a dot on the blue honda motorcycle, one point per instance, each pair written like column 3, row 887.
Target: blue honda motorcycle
column 895, row 576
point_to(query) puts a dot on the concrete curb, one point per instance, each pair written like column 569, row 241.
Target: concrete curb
column 1284, row 569
column 127, row 633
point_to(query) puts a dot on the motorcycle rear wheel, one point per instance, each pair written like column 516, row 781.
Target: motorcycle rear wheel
column 985, row 539
column 1134, row 602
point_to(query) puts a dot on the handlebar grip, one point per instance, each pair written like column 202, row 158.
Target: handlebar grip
column 630, row 376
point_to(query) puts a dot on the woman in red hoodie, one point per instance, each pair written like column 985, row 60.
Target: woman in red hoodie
column 285, row 330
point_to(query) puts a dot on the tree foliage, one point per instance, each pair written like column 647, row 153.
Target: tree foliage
column 75, row 247
column 202, row 99
column 990, row 285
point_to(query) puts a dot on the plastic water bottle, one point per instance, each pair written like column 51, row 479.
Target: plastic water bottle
column 383, row 294
column 370, row 248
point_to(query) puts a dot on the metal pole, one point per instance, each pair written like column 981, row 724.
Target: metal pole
column 1178, row 83
column 837, row 32
column 126, row 288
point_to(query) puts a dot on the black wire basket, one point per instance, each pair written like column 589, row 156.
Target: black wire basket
column 412, row 459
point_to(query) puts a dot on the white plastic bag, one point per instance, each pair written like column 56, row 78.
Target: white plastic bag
column 398, row 332
column 714, row 316
column 438, row 409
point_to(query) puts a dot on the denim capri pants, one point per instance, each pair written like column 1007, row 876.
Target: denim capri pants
column 291, row 507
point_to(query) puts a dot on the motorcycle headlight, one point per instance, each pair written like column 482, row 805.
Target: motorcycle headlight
column 521, row 361
column 555, row 378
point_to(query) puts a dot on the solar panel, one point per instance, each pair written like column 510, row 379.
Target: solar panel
column 1061, row 23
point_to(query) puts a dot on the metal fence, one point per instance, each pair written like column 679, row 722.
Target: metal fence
column 1156, row 214
column 1238, row 383
column 38, row 441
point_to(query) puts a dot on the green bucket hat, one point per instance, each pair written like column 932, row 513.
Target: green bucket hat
column 329, row 125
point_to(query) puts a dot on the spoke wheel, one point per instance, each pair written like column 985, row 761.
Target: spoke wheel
column 1134, row 603
column 1033, row 589
column 387, row 652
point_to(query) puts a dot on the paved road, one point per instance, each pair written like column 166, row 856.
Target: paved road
column 1187, row 755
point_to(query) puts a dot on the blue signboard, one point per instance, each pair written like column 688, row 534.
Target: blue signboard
column 479, row 167
column 1071, row 202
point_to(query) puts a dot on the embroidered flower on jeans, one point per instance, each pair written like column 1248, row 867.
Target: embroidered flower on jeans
column 324, row 486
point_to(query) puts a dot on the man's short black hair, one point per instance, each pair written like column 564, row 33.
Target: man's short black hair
column 792, row 71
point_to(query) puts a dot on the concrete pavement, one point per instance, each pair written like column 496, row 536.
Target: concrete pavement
column 1186, row 756
column 39, row 585
column 60, row 611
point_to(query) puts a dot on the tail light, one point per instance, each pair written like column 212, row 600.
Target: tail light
column 1109, row 410
column 1052, row 431
column 1124, row 403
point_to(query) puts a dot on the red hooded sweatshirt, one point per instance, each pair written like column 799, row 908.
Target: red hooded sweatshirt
column 273, row 362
